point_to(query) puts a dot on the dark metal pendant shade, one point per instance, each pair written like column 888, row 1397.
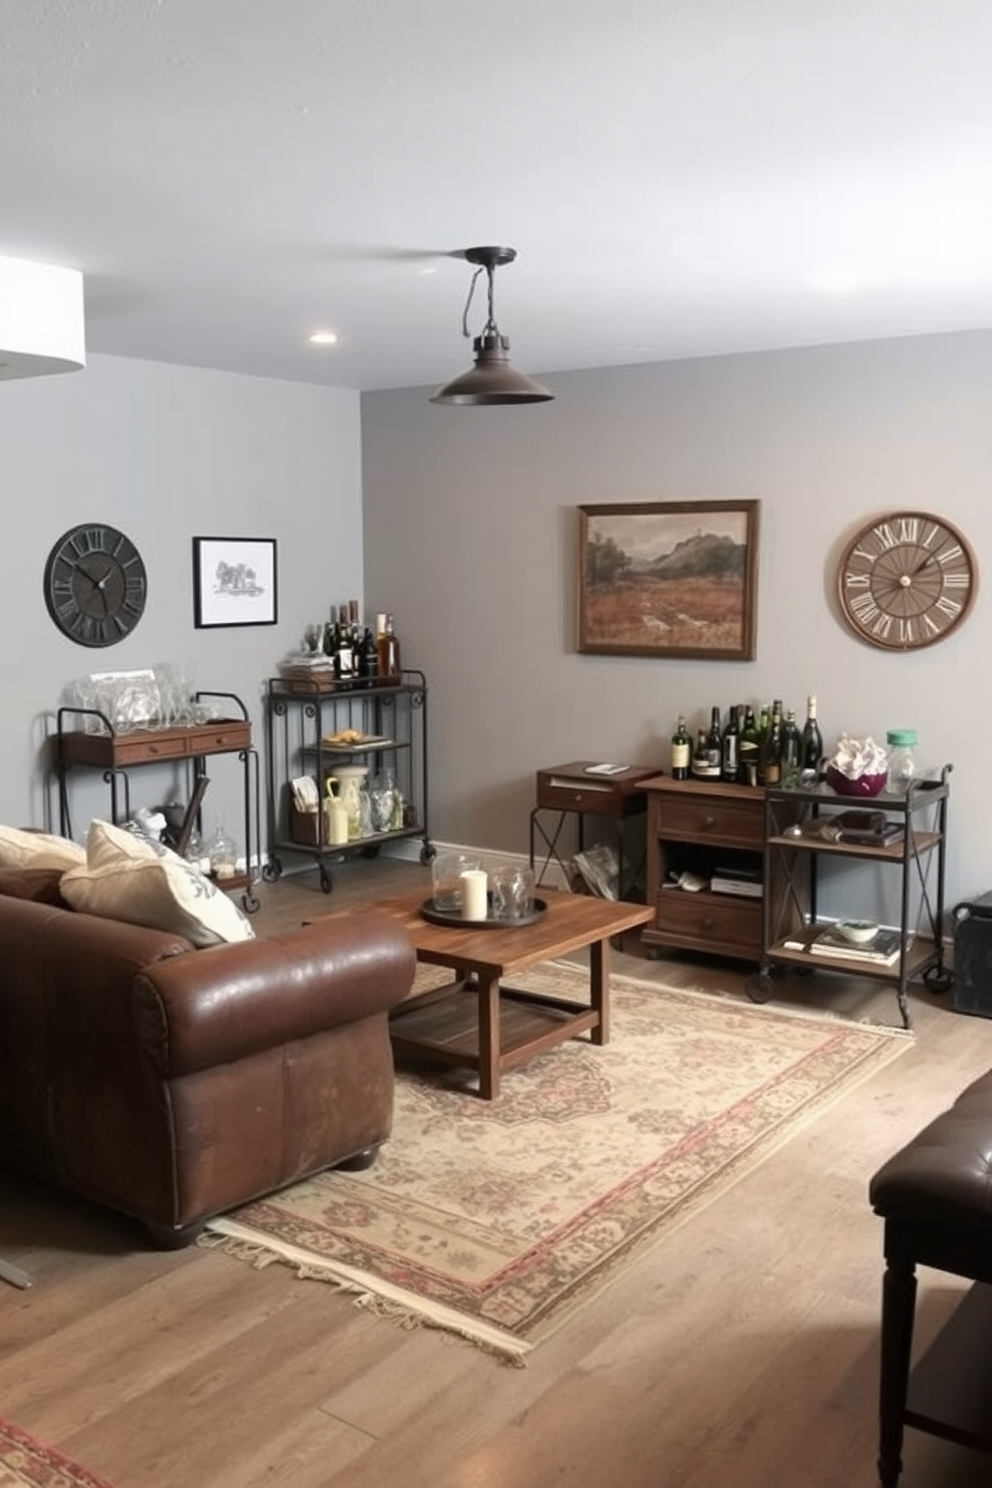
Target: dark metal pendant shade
column 492, row 380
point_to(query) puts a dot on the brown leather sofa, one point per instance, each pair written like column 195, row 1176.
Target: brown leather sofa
column 173, row 1084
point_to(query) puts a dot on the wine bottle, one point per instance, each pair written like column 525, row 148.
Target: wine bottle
column 749, row 749
column 681, row 750
column 730, row 761
column 389, row 651
column 792, row 749
column 329, row 644
column 368, row 656
column 770, row 766
column 812, row 738
column 344, row 657
column 714, row 744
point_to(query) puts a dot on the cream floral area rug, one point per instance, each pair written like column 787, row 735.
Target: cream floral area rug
column 27, row 1463
column 497, row 1219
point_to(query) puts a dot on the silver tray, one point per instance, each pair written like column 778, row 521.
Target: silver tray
column 453, row 918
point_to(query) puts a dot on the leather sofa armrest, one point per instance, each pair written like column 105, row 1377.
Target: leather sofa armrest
column 226, row 1002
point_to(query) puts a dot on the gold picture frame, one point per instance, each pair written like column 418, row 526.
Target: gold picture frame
column 669, row 578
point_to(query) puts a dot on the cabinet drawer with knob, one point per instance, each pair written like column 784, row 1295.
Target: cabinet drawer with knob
column 708, row 922
column 699, row 817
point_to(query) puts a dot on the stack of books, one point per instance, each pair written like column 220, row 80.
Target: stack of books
column 883, row 949
column 737, row 880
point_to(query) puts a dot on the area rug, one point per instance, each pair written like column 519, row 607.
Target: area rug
column 497, row 1219
column 27, row 1463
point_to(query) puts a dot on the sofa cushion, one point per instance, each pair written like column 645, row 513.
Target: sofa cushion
column 143, row 883
column 20, row 848
column 39, row 884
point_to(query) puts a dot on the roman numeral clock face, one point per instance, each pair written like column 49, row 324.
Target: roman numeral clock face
column 95, row 584
column 906, row 581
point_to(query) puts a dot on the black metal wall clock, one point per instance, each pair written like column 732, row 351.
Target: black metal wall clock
column 906, row 581
column 95, row 584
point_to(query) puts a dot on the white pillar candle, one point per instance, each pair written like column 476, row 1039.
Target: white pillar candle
column 474, row 905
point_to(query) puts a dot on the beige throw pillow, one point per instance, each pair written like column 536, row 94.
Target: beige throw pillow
column 21, row 849
column 133, row 879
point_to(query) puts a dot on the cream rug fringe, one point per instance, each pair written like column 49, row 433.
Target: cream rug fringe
column 378, row 1296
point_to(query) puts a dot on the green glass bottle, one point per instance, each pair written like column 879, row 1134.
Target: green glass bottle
column 681, row 751
column 749, row 749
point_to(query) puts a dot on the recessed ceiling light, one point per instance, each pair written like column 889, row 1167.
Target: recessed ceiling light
column 323, row 338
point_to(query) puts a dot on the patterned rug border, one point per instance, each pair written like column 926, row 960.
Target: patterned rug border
column 36, row 1465
column 413, row 1310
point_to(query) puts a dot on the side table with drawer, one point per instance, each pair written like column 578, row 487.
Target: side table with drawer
column 566, row 789
column 697, row 826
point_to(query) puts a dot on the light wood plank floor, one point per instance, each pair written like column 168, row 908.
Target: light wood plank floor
column 741, row 1353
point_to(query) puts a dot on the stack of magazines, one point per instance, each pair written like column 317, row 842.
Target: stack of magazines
column 883, row 948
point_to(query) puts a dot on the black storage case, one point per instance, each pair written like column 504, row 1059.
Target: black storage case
column 973, row 956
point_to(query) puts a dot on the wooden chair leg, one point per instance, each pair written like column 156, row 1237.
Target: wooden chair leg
column 898, row 1311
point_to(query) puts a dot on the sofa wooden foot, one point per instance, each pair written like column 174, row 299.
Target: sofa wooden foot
column 164, row 1237
column 359, row 1161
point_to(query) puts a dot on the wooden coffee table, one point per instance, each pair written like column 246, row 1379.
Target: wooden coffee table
column 475, row 1022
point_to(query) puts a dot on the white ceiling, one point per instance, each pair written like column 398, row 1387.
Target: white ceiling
column 679, row 177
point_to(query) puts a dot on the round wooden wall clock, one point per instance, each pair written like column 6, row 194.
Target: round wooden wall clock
column 95, row 584
column 906, row 580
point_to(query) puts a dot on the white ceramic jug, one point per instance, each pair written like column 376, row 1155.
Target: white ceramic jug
column 335, row 816
column 351, row 778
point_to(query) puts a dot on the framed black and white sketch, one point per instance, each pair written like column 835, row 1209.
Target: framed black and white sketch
column 234, row 581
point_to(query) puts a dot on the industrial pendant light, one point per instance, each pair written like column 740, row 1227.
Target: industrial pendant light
column 492, row 379
column 41, row 319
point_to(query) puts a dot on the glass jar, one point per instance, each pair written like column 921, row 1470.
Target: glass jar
column 903, row 769
column 223, row 852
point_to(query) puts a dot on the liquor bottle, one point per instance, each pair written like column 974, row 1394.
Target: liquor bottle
column 389, row 651
column 681, row 751
column 714, row 744
column 700, row 763
column 749, row 749
column 731, row 757
column 792, row 749
column 770, row 766
column 812, row 738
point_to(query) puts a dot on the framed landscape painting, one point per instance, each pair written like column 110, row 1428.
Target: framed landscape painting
column 671, row 578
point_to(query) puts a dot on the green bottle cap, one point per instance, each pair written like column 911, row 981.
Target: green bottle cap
column 901, row 737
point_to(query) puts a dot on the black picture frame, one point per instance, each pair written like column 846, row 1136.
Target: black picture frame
column 235, row 581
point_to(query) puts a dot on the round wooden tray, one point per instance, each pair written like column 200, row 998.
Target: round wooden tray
column 450, row 917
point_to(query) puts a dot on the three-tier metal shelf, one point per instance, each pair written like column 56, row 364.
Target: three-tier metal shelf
column 802, row 830
column 390, row 716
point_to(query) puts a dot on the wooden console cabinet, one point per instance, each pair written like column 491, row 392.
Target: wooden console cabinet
column 696, row 826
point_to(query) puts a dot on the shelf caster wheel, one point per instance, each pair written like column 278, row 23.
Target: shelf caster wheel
column 326, row 880
column 428, row 853
column 938, row 979
column 760, row 987
column 271, row 870
column 249, row 902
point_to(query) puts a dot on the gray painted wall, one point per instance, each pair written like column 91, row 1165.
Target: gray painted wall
column 470, row 538
column 165, row 453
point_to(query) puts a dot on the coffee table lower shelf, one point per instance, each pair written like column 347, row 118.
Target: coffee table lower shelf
column 444, row 1026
